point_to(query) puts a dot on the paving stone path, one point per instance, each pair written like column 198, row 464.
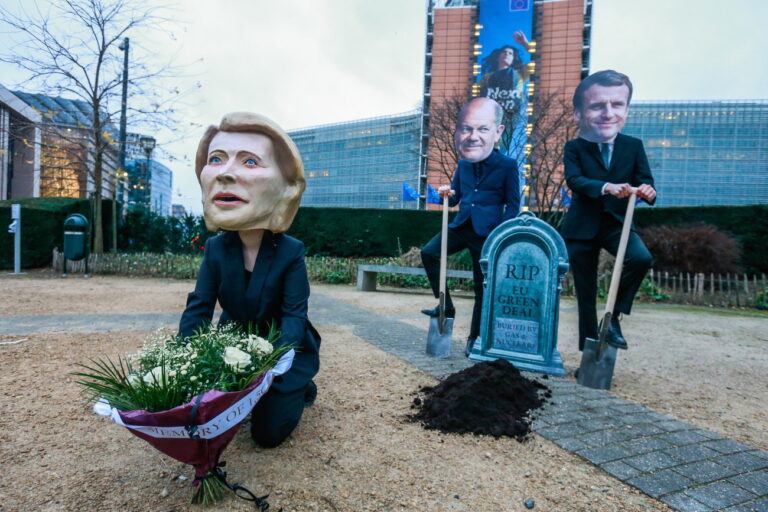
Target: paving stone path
column 689, row 469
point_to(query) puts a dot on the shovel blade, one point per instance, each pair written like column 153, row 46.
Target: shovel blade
column 597, row 363
column 439, row 340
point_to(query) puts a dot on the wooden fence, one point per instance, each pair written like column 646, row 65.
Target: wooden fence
column 739, row 290
column 180, row 266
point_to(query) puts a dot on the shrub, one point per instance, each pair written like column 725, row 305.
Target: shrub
column 146, row 231
column 412, row 258
column 748, row 224
column 696, row 247
column 761, row 300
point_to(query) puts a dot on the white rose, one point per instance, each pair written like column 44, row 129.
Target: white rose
column 154, row 376
column 133, row 381
column 236, row 358
column 259, row 345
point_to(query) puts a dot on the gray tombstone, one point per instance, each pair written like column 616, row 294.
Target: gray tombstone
column 524, row 261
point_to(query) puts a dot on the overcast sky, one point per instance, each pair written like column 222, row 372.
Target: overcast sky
column 304, row 62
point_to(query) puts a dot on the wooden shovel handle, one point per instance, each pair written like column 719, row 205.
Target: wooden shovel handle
column 619, row 263
column 444, row 245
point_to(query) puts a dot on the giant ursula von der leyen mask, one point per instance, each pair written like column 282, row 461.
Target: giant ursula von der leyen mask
column 250, row 173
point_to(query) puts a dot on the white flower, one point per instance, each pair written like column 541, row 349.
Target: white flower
column 193, row 378
column 154, row 376
column 236, row 358
column 133, row 381
column 258, row 345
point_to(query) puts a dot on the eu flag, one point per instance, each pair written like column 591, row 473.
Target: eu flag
column 432, row 195
column 408, row 193
column 519, row 5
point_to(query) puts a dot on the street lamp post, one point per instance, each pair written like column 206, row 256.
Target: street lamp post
column 148, row 144
column 121, row 164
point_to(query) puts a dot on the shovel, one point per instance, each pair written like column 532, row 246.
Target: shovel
column 440, row 327
column 599, row 358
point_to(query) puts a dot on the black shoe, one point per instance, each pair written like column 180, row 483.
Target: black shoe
column 614, row 336
column 576, row 374
column 310, row 394
column 468, row 348
column 434, row 313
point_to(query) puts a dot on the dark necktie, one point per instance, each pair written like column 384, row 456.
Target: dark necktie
column 478, row 171
column 605, row 151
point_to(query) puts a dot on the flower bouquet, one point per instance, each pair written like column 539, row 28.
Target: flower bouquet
column 187, row 398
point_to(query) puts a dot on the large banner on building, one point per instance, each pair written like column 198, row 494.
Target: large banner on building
column 503, row 66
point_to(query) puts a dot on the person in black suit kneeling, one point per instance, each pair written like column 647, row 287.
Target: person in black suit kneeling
column 601, row 167
column 252, row 178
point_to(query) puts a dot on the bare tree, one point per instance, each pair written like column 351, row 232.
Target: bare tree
column 70, row 49
column 443, row 114
column 542, row 147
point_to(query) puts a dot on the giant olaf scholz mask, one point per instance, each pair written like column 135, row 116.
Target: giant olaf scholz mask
column 250, row 173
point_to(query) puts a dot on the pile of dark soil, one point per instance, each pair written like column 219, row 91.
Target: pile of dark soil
column 489, row 398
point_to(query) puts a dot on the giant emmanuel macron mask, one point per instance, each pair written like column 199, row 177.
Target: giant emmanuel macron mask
column 250, row 173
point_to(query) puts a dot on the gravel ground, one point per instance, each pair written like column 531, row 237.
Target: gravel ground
column 353, row 451
column 704, row 366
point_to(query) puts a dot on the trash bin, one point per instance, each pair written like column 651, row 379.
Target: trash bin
column 75, row 237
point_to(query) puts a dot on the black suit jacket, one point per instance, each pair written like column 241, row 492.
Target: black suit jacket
column 586, row 174
column 277, row 292
column 489, row 201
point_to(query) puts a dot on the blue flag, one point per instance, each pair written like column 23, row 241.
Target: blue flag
column 432, row 195
column 408, row 193
column 565, row 199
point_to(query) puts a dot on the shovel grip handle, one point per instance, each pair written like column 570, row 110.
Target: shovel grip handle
column 618, row 265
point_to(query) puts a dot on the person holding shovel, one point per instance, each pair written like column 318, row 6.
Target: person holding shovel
column 602, row 166
column 486, row 186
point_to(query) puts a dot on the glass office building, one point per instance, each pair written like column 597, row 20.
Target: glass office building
column 362, row 163
column 150, row 186
column 66, row 149
column 705, row 152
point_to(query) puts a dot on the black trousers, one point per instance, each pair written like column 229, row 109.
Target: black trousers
column 462, row 237
column 275, row 416
column 584, row 255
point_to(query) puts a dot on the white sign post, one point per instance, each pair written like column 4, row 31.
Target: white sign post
column 15, row 228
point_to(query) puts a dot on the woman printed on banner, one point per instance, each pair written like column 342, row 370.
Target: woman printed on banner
column 504, row 74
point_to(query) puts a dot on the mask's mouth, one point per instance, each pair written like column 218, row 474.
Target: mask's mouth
column 225, row 198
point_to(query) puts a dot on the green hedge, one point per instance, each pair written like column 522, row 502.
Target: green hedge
column 362, row 232
column 748, row 224
column 42, row 227
column 353, row 232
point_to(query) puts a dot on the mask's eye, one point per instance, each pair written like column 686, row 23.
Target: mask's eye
column 214, row 159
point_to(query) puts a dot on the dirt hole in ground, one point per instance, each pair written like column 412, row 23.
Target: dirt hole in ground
column 490, row 398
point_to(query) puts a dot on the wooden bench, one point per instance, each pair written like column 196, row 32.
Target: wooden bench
column 366, row 274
